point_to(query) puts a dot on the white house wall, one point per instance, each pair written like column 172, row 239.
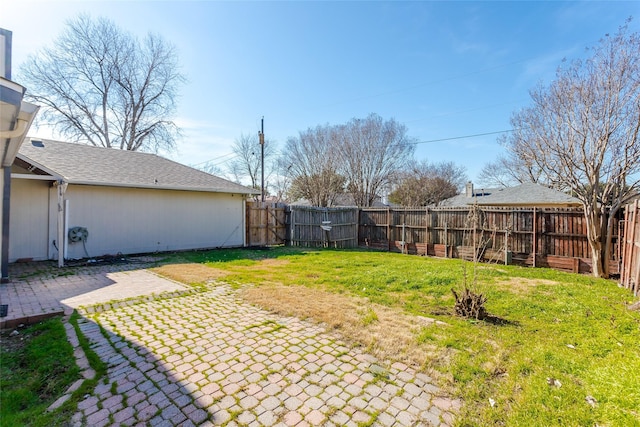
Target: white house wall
column 28, row 220
column 128, row 220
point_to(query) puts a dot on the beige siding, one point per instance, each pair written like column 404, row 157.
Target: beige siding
column 125, row 220
column 29, row 223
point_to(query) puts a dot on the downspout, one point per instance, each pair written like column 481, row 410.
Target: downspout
column 6, row 204
column 62, row 238
column 244, row 220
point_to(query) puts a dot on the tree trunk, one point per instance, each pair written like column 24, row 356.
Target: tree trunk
column 594, row 237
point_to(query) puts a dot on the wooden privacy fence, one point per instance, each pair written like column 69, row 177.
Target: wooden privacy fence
column 323, row 227
column 544, row 237
column 266, row 224
column 538, row 237
column 630, row 273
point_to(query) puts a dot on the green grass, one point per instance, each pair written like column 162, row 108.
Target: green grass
column 37, row 369
column 539, row 313
column 35, row 372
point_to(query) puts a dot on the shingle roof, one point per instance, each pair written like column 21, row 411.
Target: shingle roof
column 85, row 164
column 528, row 194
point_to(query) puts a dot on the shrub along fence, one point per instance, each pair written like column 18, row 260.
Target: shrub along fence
column 544, row 237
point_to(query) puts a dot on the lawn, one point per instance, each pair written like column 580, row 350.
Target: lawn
column 560, row 349
column 37, row 366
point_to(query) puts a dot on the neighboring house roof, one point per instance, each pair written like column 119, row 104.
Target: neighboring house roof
column 528, row 194
column 89, row 165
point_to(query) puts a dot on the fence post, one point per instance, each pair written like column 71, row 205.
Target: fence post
column 388, row 229
column 446, row 240
column 426, row 236
column 292, row 226
column 535, row 236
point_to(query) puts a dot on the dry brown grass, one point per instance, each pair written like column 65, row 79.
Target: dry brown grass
column 388, row 334
column 273, row 262
column 190, row 273
column 521, row 285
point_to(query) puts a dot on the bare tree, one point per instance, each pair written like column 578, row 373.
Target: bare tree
column 313, row 163
column 372, row 151
column 100, row 85
column 212, row 168
column 321, row 189
column 509, row 170
column 427, row 183
column 246, row 166
column 280, row 181
column 582, row 131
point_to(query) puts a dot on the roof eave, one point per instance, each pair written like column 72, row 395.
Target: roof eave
column 158, row 187
column 41, row 167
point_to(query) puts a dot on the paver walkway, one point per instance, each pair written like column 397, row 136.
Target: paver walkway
column 210, row 358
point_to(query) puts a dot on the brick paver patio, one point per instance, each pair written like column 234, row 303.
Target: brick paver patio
column 186, row 358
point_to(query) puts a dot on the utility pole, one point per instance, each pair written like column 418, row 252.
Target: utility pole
column 261, row 135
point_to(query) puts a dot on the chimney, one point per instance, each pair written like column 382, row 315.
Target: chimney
column 469, row 189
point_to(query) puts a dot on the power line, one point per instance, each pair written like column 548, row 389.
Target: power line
column 465, row 136
column 217, row 159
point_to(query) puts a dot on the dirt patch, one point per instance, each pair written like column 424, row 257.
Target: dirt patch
column 386, row 333
column 522, row 286
column 273, row 262
column 190, row 273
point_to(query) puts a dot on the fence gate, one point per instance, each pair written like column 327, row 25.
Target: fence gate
column 630, row 274
column 323, row 227
column 266, row 224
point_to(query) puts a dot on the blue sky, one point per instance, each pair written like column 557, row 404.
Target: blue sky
column 444, row 69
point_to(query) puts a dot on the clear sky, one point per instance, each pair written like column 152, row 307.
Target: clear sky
column 444, row 69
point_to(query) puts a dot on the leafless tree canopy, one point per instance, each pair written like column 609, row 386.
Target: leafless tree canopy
column 247, row 163
column 281, row 180
column 509, row 170
column 100, row 85
column 582, row 131
column 361, row 157
column 312, row 160
column 425, row 183
column 373, row 151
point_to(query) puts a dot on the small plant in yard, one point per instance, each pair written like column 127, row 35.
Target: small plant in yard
column 471, row 304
